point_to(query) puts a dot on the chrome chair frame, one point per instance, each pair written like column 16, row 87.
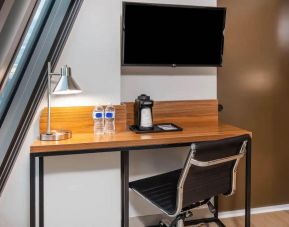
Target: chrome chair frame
column 179, row 215
column 192, row 161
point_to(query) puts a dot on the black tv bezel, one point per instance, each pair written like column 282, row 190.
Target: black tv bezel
column 124, row 4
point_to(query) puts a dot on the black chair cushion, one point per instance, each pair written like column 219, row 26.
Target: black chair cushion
column 161, row 190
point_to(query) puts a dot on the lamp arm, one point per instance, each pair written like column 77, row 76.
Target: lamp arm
column 49, row 75
column 48, row 132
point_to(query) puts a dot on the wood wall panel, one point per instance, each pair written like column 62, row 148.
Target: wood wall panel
column 78, row 119
column 172, row 111
column 253, row 87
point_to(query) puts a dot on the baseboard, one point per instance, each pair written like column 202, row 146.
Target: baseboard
column 259, row 210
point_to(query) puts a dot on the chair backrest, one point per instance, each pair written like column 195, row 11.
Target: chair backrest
column 210, row 170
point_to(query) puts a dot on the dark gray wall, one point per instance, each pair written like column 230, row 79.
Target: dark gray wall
column 253, row 86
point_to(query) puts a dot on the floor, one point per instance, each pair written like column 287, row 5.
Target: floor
column 275, row 219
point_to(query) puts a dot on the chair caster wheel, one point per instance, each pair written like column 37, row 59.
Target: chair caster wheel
column 203, row 225
column 162, row 224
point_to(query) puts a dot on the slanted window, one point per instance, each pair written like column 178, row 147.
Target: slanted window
column 24, row 81
column 13, row 75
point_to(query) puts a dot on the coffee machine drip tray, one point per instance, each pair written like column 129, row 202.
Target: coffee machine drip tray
column 163, row 127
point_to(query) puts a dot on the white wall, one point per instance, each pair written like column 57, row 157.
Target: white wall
column 164, row 83
column 84, row 190
column 14, row 201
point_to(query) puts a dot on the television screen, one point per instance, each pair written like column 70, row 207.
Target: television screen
column 172, row 35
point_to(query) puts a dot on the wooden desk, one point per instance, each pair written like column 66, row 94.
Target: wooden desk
column 197, row 127
column 192, row 132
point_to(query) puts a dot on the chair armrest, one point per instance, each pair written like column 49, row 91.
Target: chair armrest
column 216, row 161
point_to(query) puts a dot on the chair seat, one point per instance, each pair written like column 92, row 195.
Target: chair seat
column 161, row 190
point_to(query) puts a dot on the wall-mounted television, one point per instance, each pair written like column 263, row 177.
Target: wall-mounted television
column 172, row 35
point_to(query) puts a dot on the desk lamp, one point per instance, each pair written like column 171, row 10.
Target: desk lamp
column 66, row 85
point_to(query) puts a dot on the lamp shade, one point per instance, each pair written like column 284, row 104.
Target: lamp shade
column 66, row 84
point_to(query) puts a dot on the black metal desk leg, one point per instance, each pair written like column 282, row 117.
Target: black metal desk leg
column 124, row 189
column 41, row 192
column 32, row 192
column 248, row 185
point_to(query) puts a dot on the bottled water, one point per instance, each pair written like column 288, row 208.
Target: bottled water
column 109, row 119
column 98, row 118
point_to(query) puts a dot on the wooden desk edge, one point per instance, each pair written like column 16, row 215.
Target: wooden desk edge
column 37, row 147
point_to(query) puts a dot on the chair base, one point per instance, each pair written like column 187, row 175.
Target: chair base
column 179, row 223
column 197, row 222
column 181, row 219
column 205, row 221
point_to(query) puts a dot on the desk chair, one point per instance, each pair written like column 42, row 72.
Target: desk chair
column 210, row 170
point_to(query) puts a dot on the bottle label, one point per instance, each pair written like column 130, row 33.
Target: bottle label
column 97, row 115
column 109, row 115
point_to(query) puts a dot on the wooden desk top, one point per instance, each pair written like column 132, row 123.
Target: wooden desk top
column 192, row 132
column 198, row 118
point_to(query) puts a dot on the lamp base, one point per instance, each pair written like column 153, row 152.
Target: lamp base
column 56, row 135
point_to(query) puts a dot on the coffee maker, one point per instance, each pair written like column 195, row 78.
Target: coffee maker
column 143, row 113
